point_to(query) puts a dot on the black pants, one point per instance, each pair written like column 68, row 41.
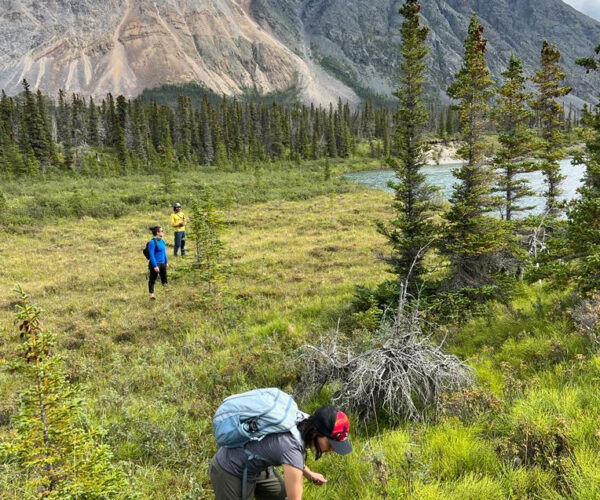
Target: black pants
column 162, row 270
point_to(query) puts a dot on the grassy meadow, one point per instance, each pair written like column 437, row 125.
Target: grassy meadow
column 297, row 244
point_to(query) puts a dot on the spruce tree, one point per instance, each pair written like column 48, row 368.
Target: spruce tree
column 583, row 234
column 411, row 229
column 277, row 133
column 331, row 134
column 93, row 138
column 548, row 80
column 7, row 115
column 472, row 241
column 183, row 136
column 35, row 137
column 63, row 458
column 206, row 227
column 516, row 138
column 167, row 153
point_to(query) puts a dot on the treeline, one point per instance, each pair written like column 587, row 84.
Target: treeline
column 124, row 136
column 121, row 136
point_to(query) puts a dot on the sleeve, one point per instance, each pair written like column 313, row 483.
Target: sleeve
column 293, row 456
column 174, row 220
column 151, row 252
column 166, row 255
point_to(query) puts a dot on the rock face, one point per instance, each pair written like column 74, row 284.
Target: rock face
column 328, row 48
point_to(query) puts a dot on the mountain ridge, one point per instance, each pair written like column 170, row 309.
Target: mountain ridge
column 329, row 49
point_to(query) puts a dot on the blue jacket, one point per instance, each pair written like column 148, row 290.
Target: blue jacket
column 158, row 252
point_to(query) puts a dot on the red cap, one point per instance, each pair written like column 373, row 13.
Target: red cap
column 334, row 425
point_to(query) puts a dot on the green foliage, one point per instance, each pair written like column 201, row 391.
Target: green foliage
column 206, row 228
column 537, row 430
column 516, row 138
column 3, row 208
column 548, row 79
column 590, row 63
column 582, row 476
column 411, row 231
column 583, row 232
column 474, row 243
column 52, row 439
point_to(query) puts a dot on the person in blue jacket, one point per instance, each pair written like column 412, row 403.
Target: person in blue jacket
column 158, row 261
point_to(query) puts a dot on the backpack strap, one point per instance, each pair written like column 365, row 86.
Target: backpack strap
column 250, row 456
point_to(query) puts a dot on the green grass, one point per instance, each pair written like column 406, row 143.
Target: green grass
column 153, row 373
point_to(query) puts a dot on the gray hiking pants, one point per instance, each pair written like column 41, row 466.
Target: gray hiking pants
column 269, row 485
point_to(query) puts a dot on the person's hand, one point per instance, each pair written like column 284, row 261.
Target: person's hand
column 316, row 478
column 156, row 269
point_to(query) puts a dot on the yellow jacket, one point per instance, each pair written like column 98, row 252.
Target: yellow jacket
column 177, row 219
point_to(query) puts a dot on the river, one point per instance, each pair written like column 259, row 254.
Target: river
column 441, row 177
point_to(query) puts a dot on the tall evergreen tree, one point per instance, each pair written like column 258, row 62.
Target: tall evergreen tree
column 411, row 230
column 331, row 134
column 548, row 79
column 35, row 139
column 516, row 138
column 473, row 241
column 583, row 234
column 93, row 137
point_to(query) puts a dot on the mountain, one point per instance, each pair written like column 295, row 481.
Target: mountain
column 327, row 48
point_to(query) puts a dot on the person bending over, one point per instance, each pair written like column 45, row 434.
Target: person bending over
column 324, row 431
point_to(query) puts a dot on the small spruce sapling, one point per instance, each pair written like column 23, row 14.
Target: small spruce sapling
column 206, row 227
column 51, row 438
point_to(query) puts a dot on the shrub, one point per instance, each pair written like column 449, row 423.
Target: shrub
column 470, row 404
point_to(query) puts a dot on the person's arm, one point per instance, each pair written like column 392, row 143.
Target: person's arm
column 292, row 478
column 314, row 477
column 174, row 220
column 151, row 251
column 166, row 255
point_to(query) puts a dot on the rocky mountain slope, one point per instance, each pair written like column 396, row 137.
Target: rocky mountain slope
column 328, row 48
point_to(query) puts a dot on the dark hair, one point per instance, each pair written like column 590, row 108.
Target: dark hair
column 155, row 230
column 309, row 434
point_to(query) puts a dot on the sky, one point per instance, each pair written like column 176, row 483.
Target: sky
column 589, row 7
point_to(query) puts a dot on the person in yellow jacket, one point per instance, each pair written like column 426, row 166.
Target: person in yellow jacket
column 178, row 221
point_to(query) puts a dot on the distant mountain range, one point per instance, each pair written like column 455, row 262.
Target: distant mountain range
column 326, row 48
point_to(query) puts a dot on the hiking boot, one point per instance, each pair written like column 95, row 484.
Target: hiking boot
column 152, row 296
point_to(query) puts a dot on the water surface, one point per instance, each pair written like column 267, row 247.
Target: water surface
column 441, row 177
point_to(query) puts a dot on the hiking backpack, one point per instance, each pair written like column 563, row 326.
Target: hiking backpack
column 252, row 415
column 146, row 250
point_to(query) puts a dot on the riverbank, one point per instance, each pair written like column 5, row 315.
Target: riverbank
column 443, row 153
